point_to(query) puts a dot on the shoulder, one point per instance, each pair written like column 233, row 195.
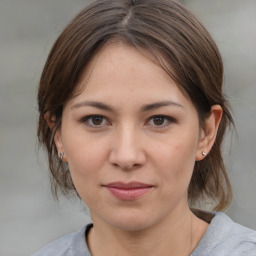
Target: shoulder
column 73, row 244
column 225, row 237
column 236, row 239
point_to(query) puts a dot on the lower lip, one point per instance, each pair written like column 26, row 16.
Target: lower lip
column 128, row 194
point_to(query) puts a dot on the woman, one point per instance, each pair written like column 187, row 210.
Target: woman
column 132, row 115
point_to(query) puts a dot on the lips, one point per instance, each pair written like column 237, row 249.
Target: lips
column 128, row 191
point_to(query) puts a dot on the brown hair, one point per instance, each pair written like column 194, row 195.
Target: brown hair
column 176, row 40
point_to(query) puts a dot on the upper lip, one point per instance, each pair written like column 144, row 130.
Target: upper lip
column 129, row 185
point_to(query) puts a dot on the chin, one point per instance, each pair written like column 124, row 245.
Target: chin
column 132, row 222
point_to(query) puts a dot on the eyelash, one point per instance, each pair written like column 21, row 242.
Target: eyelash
column 88, row 121
column 167, row 119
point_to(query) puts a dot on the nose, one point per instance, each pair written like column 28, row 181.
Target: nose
column 127, row 151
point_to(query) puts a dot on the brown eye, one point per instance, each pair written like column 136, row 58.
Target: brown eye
column 159, row 120
column 97, row 120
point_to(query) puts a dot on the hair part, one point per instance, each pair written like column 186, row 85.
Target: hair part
column 175, row 40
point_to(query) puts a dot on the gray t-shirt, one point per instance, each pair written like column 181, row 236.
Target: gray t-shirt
column 222, row 238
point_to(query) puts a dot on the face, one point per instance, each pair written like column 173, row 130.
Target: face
column 131, row 139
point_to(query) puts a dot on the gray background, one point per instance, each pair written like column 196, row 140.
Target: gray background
column 29, row 217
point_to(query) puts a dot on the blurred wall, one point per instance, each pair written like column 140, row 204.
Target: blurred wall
column 29, row 217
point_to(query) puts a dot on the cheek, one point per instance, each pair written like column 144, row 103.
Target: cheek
column 176, row 159
column 85, row 160
column 85, row 155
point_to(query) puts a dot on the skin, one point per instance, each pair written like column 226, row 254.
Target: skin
column 126, row 143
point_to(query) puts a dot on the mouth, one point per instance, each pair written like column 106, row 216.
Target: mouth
column 128, row 191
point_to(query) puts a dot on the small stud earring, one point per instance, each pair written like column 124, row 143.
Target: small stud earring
column 204, row 154
column 61, row 155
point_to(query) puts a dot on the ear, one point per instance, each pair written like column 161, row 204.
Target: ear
column 209, row 133
column 57, row 137
column 50, row 120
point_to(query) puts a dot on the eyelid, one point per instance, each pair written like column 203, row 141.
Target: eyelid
column 168, row 118
column 106, row 122
column 85, row 119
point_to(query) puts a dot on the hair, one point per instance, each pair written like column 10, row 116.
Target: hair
column 176, row 41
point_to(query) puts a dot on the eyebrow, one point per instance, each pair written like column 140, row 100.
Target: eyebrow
column 160, row 104
column 93, row 104
column 144, row 108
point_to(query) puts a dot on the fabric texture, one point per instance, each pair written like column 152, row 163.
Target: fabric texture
column 222, row 238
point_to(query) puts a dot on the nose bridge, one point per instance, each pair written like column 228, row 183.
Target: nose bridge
column 126, row 147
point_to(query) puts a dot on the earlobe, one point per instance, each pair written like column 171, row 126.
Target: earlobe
column 209, row 133
column 59, row 146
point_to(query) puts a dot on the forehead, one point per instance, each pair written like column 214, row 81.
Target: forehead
column 120, row 71
column 117, row 61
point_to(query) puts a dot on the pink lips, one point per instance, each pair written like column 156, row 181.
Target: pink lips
column 128, row 191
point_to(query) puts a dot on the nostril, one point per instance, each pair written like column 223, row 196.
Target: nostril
column 126, row 167
column 129, row 167
column 126, row 156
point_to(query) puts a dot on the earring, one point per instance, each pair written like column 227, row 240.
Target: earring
column 61, row 155
column 204, row 154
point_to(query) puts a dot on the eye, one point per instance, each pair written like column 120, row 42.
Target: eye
column 160, row 120
column 95, row 121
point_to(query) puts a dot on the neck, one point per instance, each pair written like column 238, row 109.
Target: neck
column 179, row 235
